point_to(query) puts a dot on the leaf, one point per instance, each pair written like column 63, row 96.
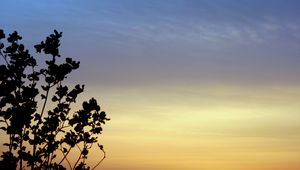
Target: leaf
column 45, row 88
column 1, row 45
column 21, row 47
column 54, row 99
column 84, row 152
column 6, row 144
column 69, row 60
column 65, row 150
column 100, row 146
column 3, row 128
column 2, row 35
column 38, row 48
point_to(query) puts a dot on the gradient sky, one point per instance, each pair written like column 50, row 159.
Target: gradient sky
column 188, row 84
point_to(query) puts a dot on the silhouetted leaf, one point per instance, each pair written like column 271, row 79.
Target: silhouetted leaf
column 2, row 35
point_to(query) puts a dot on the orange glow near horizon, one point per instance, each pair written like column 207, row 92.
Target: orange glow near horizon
column 209, row 128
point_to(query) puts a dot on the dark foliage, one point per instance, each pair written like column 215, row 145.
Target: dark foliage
column 39, row 138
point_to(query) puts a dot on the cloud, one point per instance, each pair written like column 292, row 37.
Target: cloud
column 218, row 25
column 212, row 22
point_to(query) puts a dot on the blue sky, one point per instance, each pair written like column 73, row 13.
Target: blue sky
column 171, row 37
column 180, row 32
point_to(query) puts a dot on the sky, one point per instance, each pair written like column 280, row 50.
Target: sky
column 188, row 84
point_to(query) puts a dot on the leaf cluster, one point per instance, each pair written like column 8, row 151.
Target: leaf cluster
column 37, row 135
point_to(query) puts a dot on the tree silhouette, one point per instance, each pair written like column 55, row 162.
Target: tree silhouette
column 41, row 135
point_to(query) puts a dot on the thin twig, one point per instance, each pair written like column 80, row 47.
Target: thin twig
column 78, row 157
column 65, row 156
column 4, row 57
column 69, row 163
column 104, row 156
column 45, row 102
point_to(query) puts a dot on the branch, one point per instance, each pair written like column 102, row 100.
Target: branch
column 104, row 156
column 69, row 163
column 65, row 157
column 5, row 121
column 45, row 102
column 4, row 58
column 78, row 157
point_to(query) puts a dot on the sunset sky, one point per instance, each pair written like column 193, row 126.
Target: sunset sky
column 188, row 84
